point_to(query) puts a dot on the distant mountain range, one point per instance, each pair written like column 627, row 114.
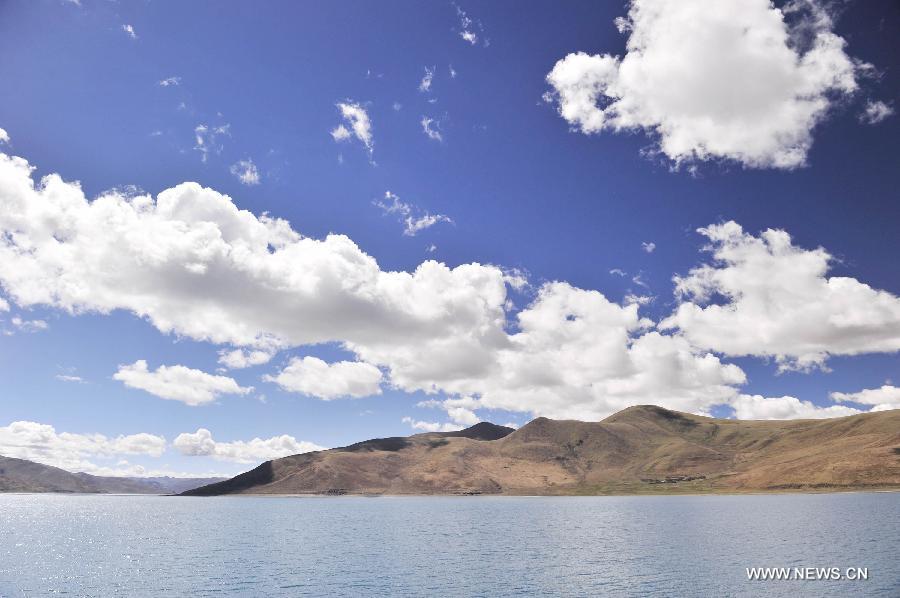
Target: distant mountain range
column 641, row 450
column 19, row 475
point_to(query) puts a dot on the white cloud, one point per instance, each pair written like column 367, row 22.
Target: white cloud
column 391, row 204
column 618, row 272
column 471, row 31
column 236, row 359
column 427, row 78
column 357, row 119
column 178, row 383
column 739, row 80
column 415, row 225
column 4, row 136
column 202, row 444
column 314, row 377
column 340, row 133
column 69, row 378
column 128, row 29
column 779, row 303
column 207, row 139
column 875, row 112
column 882, row 398
column 648, row 247
column 170, row 82
column 758, row 407
column 452, row 71
column 191, row 263
column 246, row 172
column 397, row 106
column 29, row 325
column 431, row 128
column 424, row 426
column 43, row 444
column 414, row 220
column 576, row 355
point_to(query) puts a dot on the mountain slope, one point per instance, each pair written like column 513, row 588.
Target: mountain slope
column 642, row 449
column 19, row 475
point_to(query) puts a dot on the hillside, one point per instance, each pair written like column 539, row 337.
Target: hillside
column 19, row 475
column 643, row 449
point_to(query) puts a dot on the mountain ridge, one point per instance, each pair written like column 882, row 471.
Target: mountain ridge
column 21, row 475
column 641, row 449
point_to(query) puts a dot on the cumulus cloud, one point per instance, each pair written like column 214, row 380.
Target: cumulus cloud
column 648, row 247
column 882, row 398
column 356, row 124
column 43, row 444
column 236, row 359
column 875, row 112
column 191, row 262
column 778, row 302
column 740, row 80
column 246, row 172
column 4, row 136
column 178, row 383
column 202, row 444
column 170, row 82
column 758, row 407
column 314, row 377
column 129, row 30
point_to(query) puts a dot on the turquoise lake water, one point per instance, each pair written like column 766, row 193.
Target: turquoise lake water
column 89, row 545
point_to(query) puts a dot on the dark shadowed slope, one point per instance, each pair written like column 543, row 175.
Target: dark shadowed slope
column 642, row 449
column 19, row 475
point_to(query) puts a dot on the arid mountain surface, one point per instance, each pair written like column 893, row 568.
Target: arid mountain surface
column 19, row 475
column 642, row 449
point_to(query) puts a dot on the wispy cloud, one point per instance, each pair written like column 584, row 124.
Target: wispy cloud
column 431, row 128
column 470, row 30
column 356, row 124
column 413, row 219
column 875, row 112
column 246, row 172
column 206, row 139
column 129, row 30
column 427, row 78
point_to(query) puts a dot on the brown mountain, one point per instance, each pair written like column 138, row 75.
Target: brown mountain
column 642, row 449
column 19, row 475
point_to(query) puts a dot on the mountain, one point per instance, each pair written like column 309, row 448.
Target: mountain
column 643, row 449
column 19, row 475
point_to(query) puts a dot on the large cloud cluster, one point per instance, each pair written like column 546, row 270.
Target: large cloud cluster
column 192, row 263
column 740, row 80
column 775, row 300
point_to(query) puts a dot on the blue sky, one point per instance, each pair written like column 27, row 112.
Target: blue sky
column 116, row 94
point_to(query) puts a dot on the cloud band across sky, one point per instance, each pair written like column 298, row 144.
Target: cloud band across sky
column 192, row 263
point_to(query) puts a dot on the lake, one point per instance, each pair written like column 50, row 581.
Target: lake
column 96, row 545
